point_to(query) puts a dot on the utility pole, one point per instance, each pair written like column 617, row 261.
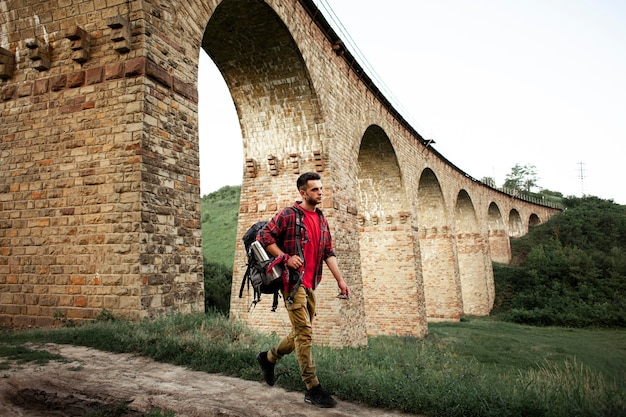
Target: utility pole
column 581, row 175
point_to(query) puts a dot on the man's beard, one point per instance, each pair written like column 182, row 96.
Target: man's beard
column 312, row 201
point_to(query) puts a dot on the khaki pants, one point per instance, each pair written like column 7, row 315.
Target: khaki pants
column 301, row 313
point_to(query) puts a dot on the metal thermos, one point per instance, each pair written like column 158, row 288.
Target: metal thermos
column 261, row 256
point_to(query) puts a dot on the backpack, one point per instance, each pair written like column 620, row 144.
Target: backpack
column 256, row 276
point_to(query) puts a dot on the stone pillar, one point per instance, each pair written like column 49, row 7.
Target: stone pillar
column 99, row 180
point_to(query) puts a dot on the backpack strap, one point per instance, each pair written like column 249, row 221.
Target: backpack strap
column 246, row 278
column 298, row 231
column 243, row 281
column 246, row 275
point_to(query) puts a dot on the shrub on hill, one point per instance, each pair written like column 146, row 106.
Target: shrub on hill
column 217, row 284
column 570, row 271
column 219, row 228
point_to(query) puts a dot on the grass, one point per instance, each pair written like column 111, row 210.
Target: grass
column 492, row 343
column 23, row 354
column 220, row 211
column 479, row 367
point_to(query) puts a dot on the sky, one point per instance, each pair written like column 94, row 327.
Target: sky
column 494, row 82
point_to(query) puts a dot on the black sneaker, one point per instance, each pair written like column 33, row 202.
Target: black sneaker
column 318, row 397
column 267, row 368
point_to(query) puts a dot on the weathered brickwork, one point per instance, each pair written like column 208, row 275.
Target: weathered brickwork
column 499, row 243
column 477, row 289
column 99, row 206
column 99, row 181
column 387, row 242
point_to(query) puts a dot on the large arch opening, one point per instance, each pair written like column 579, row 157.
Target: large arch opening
column 386, row 241
column 267, row 79
column 221, row 160
column 516, row 227
column 221, row 146
column 533, row 220
column 278, row 113
column 499, row 243
column 442, row 288
column 475, row 270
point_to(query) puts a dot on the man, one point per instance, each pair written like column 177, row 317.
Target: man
column 279, row 238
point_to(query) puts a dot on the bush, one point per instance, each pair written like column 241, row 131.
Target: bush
column 570, row 271
column 217, row 286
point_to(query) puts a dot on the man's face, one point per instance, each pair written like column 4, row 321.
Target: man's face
column 313, row 193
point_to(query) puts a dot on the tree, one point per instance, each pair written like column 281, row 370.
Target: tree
column 488, row 181
column 550, row 193
column 522, row 178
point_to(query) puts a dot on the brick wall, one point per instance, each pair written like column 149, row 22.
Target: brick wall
column 99, row 205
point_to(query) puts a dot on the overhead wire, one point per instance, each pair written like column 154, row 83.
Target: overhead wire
column 339, row 27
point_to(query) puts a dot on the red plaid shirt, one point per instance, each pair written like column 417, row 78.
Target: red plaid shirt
column 281, row 229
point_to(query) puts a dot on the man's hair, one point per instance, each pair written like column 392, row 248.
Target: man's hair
column 306, row 177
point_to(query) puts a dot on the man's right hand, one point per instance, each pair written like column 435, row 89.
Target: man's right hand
column 294, row 262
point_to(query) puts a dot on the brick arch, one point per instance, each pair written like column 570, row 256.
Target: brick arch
column 516, row 227
column 499, row 243
column 442, row 288
column 533, row 220
column 278, row 111
column 269, row 84
column 475, row 271
column 386, row 240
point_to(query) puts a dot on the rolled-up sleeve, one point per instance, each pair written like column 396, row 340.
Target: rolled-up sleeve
column 280, row 230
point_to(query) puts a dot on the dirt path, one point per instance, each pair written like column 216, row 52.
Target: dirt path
column 91, row 378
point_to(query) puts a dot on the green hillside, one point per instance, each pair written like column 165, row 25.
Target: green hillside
column 569, row 271
column 219, row 225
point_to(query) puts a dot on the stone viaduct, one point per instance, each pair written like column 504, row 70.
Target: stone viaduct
column 99, row 168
